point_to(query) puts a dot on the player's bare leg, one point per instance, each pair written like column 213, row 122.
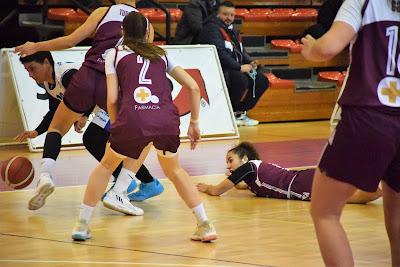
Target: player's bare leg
column 327, row 202
column 186, row 189
column 62, row 121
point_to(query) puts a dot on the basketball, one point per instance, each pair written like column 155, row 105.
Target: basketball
column 17, row 172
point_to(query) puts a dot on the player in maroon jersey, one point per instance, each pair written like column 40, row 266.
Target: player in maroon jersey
column 142, row 114
column 269, row 180
column 364, row 148
column 86, row 89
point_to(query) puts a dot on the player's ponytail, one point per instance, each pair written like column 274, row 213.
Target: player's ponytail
column 136, row 28
column 246, row 149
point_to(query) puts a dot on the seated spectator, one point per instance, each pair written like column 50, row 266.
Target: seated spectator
column 245, row 84
column 326, row 15
column 193, row 17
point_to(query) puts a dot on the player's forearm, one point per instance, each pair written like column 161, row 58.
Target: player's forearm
column 59, row 43
column 195, row 105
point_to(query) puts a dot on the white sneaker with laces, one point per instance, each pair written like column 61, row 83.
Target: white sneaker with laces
column 81, row 231
column 120, row 203
column 205, row 232
column 44, row 188
column 244, row 120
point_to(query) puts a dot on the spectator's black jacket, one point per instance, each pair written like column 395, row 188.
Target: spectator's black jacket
column 191, row 23
column 227, row 41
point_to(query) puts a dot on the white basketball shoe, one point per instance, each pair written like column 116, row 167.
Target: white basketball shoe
column 121, row 203
column 81, row 231
column 44, row 188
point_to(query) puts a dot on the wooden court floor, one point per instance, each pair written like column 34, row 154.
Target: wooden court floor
column 252, row 231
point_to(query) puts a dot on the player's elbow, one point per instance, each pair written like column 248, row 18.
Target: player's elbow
column 195, row 88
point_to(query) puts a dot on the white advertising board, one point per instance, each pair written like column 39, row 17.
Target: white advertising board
column 201, row 61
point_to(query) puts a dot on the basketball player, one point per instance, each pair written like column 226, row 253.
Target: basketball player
column 269, row 180
column 364, row 148
column 138, row 93
column 86, row 89
column 54, row 78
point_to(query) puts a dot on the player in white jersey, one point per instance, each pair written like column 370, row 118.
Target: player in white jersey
column 54, row 77
column 364, row 148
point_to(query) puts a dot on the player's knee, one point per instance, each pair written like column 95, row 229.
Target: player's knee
column 110, row 164
column 174, row 174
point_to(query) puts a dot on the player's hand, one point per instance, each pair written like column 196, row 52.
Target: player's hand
column 254, row 64
column 26, row 49
column 308, row 43
column 202, row 187
column 194, row 134
column 246, row 68
column 25, row 135
column 80, row 124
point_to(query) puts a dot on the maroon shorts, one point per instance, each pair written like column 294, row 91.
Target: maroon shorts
column 133, row 147
column 87, row 88
column 364, row 149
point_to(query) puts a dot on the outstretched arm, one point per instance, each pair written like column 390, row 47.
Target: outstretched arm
column 246, row 171
column 215, row 190
column 84, row 31
column 330, row 44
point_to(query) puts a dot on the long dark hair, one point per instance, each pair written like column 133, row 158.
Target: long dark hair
column 135, row 27
column 245, row 149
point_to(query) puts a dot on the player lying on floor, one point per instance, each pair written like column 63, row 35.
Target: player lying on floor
column 247, row 171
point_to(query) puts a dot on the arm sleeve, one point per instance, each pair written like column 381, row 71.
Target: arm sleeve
column 171, row 64
column 245, row 172
column 110, row 62
column 350, row 13
column 246, row 58
column 215, row 38
column 44, row 125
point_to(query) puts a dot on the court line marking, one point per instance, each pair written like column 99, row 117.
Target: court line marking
column 110, row 263
column 134, row 250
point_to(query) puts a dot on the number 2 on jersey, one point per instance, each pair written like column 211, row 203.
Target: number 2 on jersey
column 143, row 70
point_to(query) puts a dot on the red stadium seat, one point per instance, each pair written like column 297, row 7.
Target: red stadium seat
column 239, row 12
column 288, row 44
column 78, row 17
column 255, row 17
column 59, row 13
column 282, row 44
column 147, row 11
column 304, row 14
column 332, row 76
column 260, row 10
column 281, row 14
column 157, row 15
column 159, row 43
column 277, row 83
column 176, row 14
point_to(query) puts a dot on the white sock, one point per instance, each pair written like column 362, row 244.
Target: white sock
column 85, row 213
column 47, row 166
column 200, row 213
column 124, row 179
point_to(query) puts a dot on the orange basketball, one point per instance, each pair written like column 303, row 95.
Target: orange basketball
column 17, row 172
